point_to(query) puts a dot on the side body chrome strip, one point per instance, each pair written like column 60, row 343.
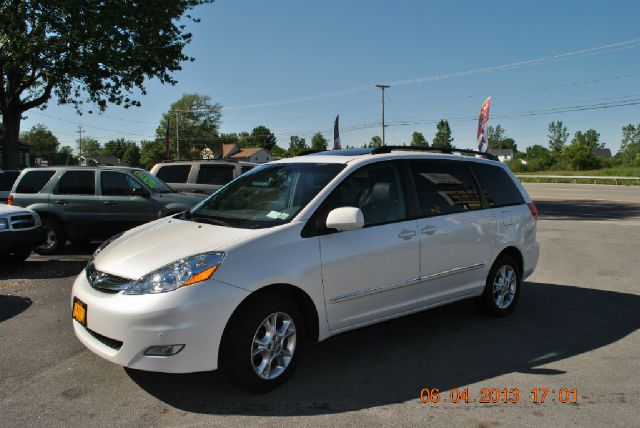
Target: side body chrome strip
column 396, row 285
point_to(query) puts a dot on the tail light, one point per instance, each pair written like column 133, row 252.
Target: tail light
column 534, row 210
column 10, row 200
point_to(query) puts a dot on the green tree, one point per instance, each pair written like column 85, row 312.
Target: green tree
column 42, row 141
column 195, row 120
column 85, row 51
column 442, row 139
column 318, row 142
column 375, row 142
column 64, row 156
column 131, row 156
column 261, row 136
column 151, row 152
column 279, row 152
column 231, row 138
column 538, row 158
column 116, row 148
column 495, row 137
column 630, row 146
column 558, row 136
column 297, row 145
column 418, row 140
column 89, row 147
column 580, row 153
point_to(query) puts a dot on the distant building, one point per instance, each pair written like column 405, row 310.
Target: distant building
column 602, row 153
column 100, row 160
column 504, row 155
column 24, row 155
column 249, row 154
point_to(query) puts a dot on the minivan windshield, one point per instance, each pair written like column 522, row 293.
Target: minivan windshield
column 266, row 196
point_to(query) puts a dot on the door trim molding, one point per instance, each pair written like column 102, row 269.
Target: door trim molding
column 405, row 283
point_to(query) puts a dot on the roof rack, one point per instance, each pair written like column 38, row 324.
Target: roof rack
column 389, row 149
column 200, row 159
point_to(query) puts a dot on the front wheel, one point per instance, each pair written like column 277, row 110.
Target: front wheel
column 502, row 288
column 263, row 344
column 55, row 237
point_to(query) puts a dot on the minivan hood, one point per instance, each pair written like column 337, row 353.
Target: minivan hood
column 156, row 244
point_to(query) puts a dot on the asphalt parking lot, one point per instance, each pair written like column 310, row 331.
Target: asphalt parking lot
column 576, row 326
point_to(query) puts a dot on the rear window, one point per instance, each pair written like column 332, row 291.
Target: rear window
column 444, row 187
column 7, row 178
column 34, row 181
column 174, row 173
column 215, row 174
column 77, row 183
column 499, row 188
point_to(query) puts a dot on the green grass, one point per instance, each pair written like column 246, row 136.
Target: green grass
column 620, row 171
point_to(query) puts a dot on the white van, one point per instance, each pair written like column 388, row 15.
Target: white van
column 301, row 249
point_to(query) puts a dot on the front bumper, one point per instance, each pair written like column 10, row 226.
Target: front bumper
column 194, row 316
column 22, row 238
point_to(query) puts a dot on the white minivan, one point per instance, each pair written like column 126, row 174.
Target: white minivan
column 300, row 249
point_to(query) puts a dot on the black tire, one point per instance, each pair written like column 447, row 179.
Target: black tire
column 236, row 361
column 56, row 237
column 489, row 302
column 16, row 255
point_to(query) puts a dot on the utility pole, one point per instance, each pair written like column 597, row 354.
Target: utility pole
column 80, row 141
column 382, row 87
column 177, row 136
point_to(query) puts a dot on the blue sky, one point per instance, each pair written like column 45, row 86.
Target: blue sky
column 322, row 58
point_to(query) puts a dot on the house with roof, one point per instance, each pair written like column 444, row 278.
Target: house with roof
column 248, row 154
column 505, row 155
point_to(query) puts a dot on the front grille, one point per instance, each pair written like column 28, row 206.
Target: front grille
column 111, row 343
column 105, row 282
column 23, row 221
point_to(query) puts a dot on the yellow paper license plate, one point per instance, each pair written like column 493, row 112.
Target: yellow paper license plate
column 79, row 311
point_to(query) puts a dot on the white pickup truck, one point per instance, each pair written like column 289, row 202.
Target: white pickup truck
column 20, row 231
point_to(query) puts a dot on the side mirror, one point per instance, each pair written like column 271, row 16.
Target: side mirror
column 345, row 218
column 139, row 191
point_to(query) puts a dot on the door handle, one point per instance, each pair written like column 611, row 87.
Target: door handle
column 62, row 202
column 407, row 234
column 429, row 229
column 109, row 203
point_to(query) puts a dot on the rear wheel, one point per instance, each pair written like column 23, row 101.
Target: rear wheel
column 55, row 237
column 262, row 344
column 502, row 288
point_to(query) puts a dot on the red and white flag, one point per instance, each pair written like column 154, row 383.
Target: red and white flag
column 482, row 126
column 336, row 134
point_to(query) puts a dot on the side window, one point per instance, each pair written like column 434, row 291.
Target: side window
column 117, row 184
column 77, row 183
column 499, row 188
column 34, row 181
column 444, row 187
column 377, row 190
column 215, row 174
column 174, row 173
column 246, row 168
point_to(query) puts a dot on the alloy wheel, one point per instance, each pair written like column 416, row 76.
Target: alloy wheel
column 504, row 286
column 273, row 345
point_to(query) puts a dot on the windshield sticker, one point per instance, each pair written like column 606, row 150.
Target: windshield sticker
column 145, row 179
column 277, row 215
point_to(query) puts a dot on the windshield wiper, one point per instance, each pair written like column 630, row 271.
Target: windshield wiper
column 208, row 220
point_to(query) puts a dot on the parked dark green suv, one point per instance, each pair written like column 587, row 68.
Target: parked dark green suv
column 86, row 203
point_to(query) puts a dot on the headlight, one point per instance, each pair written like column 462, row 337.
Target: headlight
column 36, row 219
column 4, row 224
column 104, row 245
column 180, row 273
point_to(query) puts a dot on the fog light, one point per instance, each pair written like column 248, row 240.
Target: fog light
column 163, row 350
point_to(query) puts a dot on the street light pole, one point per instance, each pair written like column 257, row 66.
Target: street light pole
column 382, row 87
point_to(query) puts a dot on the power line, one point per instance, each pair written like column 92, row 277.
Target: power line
column 597, row 50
